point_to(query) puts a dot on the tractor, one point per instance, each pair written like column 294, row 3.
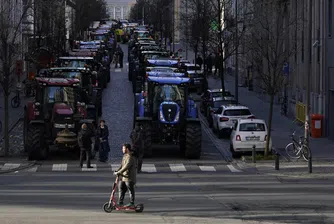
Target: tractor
column 168, row 115
column 54, row 117
column 91, row 93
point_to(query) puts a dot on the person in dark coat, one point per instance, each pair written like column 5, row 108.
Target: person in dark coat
column 209, row 63
column 85, row 144
column 138, row 139
column 121, row 56
column 102, row 135
column 199, row 61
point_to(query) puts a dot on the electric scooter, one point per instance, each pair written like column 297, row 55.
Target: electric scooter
column 108, row 207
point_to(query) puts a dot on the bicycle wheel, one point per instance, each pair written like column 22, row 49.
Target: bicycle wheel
column 15, row 102
column 305, row 152
column 292, row 151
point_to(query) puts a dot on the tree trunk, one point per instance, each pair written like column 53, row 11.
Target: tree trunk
column 221, row 72
column 270, row 118
column 6, row 130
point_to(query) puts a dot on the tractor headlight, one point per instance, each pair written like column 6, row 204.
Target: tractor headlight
column 177, row 117
column 161, row 116
column 63, row 125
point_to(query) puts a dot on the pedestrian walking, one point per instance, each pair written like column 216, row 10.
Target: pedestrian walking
column 217, row 64
column 102, row 135
column 137, row 137
column 85, row 144
column 128, row 172
column 199, row 61
column 209, row 63
column 121, row 56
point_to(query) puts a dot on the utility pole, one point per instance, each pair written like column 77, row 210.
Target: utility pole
column 236, row 95
column 187, row 28
column 308, row 86
column 173, row 26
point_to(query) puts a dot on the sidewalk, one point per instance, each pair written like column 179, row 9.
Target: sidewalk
column 282, row 127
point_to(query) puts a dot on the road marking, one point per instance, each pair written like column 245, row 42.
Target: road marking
column 84, row 168
column 32, row 170
column 115, row 166
column 149, row 168
column 207, row 168
column 177, row 167
column 233, row 169
column 118, row 70
column 59, row 167
column 9, row 166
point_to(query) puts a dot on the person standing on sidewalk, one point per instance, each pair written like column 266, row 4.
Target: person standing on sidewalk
column 217, row 64
column 138, row 137
column 199, row 61
column 103, row 143
column 85, row 144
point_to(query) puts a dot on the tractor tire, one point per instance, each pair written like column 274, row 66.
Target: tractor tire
column 37, row 149
column 148, row 140
column 25, row 130
column 193, row 141
column 99, row 103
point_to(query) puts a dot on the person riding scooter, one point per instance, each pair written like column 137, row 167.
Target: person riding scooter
column 128, row 173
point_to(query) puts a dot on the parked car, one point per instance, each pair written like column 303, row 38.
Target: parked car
column 216, row 104
column 207, row 98
column 226, row 116
column 247, row 133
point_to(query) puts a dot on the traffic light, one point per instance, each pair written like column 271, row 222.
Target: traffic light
column 19, row 67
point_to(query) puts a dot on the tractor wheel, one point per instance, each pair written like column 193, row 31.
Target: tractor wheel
column 37, row 149
column 182, row 143
column 25, row 131
column 193, row 141
column 99, row 103
column 148, row 140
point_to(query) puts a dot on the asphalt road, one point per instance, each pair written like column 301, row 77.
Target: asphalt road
column 213, row 189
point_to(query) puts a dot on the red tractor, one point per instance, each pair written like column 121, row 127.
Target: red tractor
column 54, row 117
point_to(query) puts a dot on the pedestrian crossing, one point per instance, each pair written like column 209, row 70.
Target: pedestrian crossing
column 146, row 167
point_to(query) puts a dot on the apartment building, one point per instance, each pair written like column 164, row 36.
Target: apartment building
column 119, row 9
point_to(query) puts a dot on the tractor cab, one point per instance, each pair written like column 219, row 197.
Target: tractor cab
column 57, row 104
column 78, row 62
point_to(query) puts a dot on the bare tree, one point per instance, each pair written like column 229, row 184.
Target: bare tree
column 271, row 47
column 228, row 32
column 12, row 14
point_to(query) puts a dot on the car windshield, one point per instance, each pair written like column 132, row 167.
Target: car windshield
column 60, row 94
column 77, row 64
column 98, row 37
column 143, row 34
column 220, row 94
column 223, row 102
column 168, row 93
column 237, row 112
column 252, row 127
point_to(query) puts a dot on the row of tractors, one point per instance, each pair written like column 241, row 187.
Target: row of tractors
column 163, row 106
column 68, row 94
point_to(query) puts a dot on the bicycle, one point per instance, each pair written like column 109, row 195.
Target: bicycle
column 297, row 149
column 16, row 100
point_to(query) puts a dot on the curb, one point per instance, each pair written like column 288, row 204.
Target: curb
column 19, row 168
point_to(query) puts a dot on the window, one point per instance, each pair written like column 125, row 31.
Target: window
column 237, row 112
column 330, row 17
column 252, row 127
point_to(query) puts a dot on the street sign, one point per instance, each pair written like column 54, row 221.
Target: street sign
column 286, row 69
column 214, row 26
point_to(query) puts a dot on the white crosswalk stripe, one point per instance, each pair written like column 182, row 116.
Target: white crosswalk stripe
column 233, row 169
column 207, row 168
column 9, row 166
column 146, row 167
column 84, row 168
column 59, row 167
column 177, row 167
column 149, row 168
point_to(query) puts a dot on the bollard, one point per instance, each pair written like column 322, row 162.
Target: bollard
column 254, row 154
column 277, row 161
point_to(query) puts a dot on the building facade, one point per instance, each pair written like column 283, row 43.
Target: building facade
column 119, row 9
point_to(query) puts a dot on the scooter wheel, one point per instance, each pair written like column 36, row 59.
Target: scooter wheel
column 107, row 208
column 139, row 208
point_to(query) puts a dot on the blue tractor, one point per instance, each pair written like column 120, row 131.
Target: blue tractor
column 168, row 115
